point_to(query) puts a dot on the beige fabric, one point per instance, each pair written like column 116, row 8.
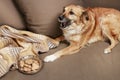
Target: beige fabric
column 8, row 58
column 21, row 48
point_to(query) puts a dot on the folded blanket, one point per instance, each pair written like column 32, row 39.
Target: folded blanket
column 19, row 50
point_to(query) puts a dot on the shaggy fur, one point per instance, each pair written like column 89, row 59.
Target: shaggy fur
column 82, row 26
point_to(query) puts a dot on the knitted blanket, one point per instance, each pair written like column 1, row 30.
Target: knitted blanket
column 19, row 50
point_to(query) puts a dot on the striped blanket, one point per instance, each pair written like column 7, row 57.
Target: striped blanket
column 19, row 50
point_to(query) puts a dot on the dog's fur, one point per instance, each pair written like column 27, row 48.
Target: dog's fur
column 82, row 26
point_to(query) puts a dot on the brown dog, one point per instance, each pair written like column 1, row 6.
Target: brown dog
column 84, row 26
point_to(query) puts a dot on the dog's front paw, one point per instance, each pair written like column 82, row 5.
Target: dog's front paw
column 50, row 58
column 106, row 51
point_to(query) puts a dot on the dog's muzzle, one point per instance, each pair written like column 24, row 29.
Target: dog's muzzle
column 64, row 22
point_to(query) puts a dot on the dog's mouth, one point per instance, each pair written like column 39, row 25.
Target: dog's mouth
column 64, row 22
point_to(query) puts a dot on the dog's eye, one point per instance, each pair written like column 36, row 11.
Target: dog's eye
column 71, row 12
column 87, row 18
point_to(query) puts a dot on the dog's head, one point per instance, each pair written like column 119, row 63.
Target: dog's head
column 72, row 14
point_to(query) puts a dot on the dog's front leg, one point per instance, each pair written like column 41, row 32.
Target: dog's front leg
column 73, row 48
column 60, row 38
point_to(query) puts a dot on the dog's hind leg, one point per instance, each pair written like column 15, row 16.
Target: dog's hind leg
column 113, row 40
column 112, row 45
column 111, row 30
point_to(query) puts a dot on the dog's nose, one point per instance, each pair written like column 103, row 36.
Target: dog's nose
column 61, row 17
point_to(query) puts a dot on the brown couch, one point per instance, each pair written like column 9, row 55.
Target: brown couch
column 40, row 16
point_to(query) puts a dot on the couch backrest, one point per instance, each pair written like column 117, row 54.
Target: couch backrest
column 102, row 3
column 41, row 15
column 9, row 14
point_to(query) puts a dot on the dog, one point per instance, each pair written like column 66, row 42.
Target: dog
column 82, row 26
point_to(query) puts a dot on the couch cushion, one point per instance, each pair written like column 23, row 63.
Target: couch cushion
column 9, row 14
column 88, row 64
column 41, row 15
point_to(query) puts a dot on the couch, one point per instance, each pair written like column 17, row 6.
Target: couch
column 40, row 16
